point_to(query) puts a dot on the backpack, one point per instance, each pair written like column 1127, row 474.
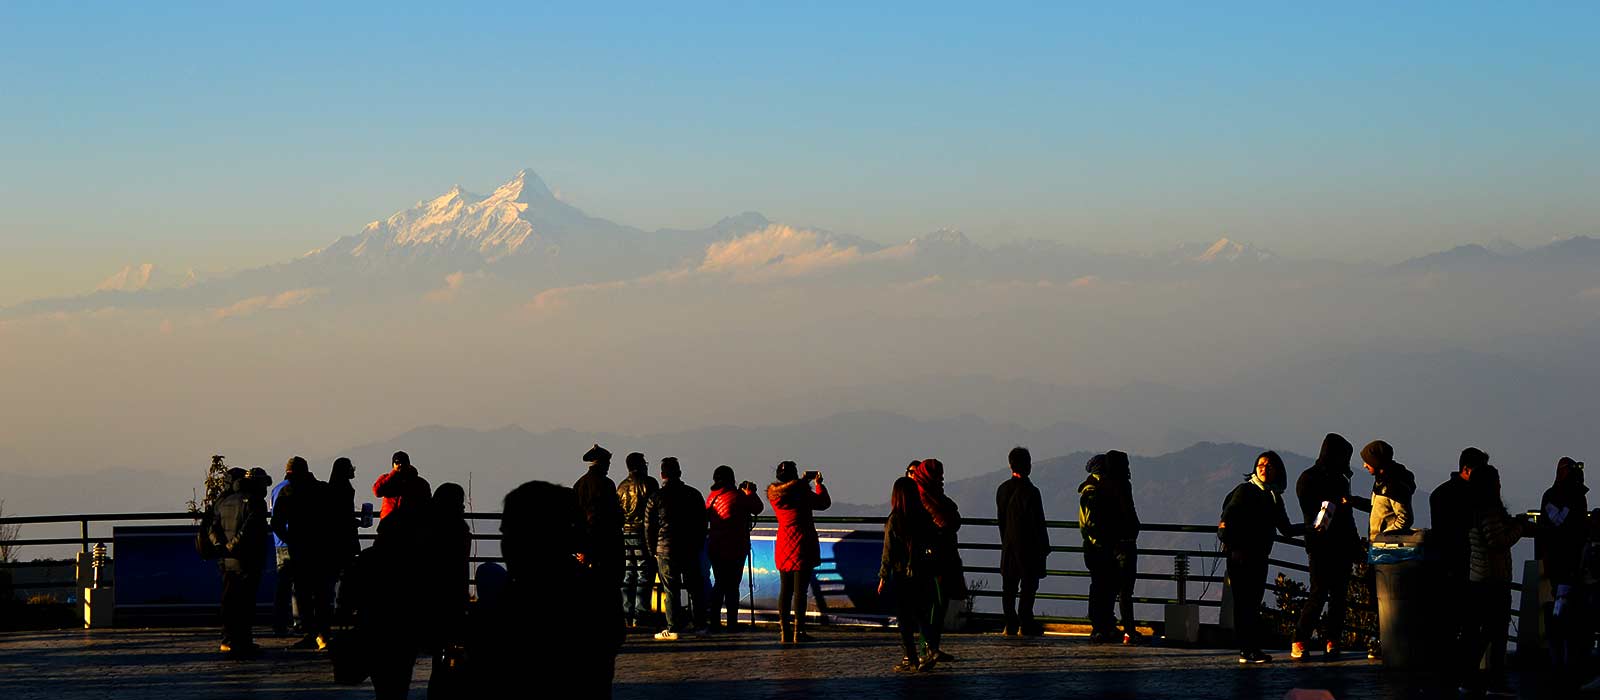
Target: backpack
column 203, row 545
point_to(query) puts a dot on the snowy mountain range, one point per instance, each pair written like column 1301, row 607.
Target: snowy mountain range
column 520, row 234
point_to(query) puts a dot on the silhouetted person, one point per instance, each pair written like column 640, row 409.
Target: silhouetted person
column 600, row 537
column 449, row 545
column 909, row 569
column 1250, row 515
column 285, row 614
column 239, row 533
column 1562, row 530
column 346, row 541
column 946, row 517
column 302, row 520
column 525, row 644
column 730, row 512
column 385, row 592
column 633, row 496
column 675, row 531
column 1024, row 543
column 1490, row 536
column 1450, row 507
column 1331, row 542
column 1109, row 524
column 796, row 550
column 1392, row 488
column 405, row 497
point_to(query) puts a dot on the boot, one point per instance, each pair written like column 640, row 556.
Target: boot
column 786, row 633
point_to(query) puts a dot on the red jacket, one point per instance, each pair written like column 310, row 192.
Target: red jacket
column 394, row 495
column 729, row 512
column 797, row 547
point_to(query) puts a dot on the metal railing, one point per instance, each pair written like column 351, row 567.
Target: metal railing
column 86, row 540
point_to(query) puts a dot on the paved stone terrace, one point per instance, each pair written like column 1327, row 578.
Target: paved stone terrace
column 169, row 664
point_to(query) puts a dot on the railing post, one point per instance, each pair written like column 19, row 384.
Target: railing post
column 1180, row 571
column 83, row 534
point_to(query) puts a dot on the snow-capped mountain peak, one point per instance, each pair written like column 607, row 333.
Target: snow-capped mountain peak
column 493, row 225
column 1224, row 250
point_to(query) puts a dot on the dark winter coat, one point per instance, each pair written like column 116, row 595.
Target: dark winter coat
column 1563, row 529
column 345, row 523
column 1106, row 514
column 633, row 494
column 600, row 530
column 1450, row 507
column 796, row 546
column 730, row 513
column 1489, row 540
column 1249, row 517
column 910, row 546
column 675, row 526
column 1328, row 480
column 1024, row 539
column 302, row 518
column 239, row 531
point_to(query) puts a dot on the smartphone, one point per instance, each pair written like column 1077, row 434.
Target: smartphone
column 366, row 515
column 810, row 475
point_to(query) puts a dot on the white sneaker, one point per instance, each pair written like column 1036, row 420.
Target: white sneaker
column 666, row 636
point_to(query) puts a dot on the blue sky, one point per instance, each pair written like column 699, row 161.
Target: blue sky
column 218, row 137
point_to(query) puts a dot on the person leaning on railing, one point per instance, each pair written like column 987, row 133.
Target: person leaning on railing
column 1250, row 515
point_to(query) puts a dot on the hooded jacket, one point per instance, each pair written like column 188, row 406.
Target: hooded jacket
column 730, row 512
column 1328, row 480
column 1562, row 531
column 1392, row 490
column 633, row 494
column 239, row 529
column 676, row 522
column 1106, row 513
column 1249, row 516
column 796, row 546
column 1489, row 539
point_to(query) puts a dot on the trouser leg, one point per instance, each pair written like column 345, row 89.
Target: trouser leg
column 672, row 579
column 935, row 604
column 909, row 609
column 786, row 586
column 801, row 579
column 283, row 603
column 726, row 594
column 1101, row 588
column 1127, row 559
column 1317, row 595
column 1247, row 577
column 1030, row 589
column 694, row 584
column 1008, row 599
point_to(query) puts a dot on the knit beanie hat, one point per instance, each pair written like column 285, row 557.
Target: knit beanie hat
column 1378, row 454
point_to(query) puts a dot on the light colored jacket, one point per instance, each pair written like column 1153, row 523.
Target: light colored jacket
column 1389, row 514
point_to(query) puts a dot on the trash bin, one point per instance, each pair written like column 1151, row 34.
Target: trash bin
column 1405, row 595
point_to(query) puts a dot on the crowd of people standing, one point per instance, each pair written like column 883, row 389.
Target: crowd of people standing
column 408, row 593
